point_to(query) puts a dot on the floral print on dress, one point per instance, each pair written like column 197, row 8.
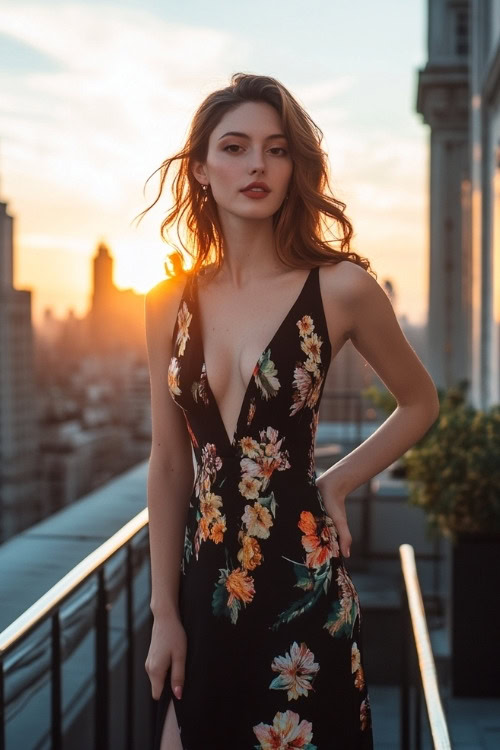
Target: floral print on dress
column 184, row 318
column 344, row 611
column 365, row 714
column 296, row 669
column 251, row 411
column 357, row 667
column 211, row 521
column 199, row 388
column 234, row 589
column 308, row 377
column 260, row 460
column 173, row 377
column 261, row 550
column 311, row 473
column 265, row 375
column 287, row 732
column 320, row 542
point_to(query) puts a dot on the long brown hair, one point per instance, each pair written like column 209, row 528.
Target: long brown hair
column 300, row 224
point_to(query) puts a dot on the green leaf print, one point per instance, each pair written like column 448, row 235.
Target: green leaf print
column 312, row 580
column 341, row 619
column 269, row 501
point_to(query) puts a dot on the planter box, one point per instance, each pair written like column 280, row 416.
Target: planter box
column 475, row 621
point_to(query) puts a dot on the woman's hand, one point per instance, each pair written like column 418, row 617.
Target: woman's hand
column 334, row 502
column 168, row 647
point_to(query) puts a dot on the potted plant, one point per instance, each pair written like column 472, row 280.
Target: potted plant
column 454, row 475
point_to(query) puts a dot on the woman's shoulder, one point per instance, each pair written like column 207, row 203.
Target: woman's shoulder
column 346, row 280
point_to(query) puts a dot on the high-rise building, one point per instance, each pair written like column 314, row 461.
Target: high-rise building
column 459, row 97
column 19, row 436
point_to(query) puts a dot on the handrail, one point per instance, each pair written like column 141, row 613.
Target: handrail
column 435, row 713
column 55, row 596
column 48, row 609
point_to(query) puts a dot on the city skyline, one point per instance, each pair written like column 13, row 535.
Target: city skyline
column 82, row 126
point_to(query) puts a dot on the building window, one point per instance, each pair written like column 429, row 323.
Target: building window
column 462, row 32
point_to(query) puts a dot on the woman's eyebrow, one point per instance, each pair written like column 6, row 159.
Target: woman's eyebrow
column 244, row 135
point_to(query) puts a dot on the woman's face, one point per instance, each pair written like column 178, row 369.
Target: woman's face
column 253, row 152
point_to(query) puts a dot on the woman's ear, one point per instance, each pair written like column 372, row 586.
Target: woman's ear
column 199, row 172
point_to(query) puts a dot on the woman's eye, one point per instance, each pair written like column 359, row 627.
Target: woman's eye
column 235, row 145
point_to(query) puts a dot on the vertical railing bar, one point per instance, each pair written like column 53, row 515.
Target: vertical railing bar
column 101, row 668
column 418, row 714
column 56, row 691
column 405, row 671
column 130, row 647
column 3, row 717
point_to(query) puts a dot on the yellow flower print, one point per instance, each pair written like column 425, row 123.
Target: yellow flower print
column 250, row 447
column 311, row 345
column 305, row 325
column 258, row 520
column 184, row 319
column 249, row 487
column 210, row 504
column 307, row 376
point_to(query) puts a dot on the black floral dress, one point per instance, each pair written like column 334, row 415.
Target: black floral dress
column 274, row 658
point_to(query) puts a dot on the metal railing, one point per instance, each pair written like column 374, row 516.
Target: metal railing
column 425, row 680
column 48, row 607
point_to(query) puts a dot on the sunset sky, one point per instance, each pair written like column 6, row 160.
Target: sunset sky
column 95, row 95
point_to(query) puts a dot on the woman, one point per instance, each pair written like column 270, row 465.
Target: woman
column 257, row 624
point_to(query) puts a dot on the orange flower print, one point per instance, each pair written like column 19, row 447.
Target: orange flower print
column 365, row 714
column 356, row 667
column 250, row 554
column 258, row 520
column 296, row 671
column 240, row 586
column 286, row 733
column 173, row 377
column 233, row 590
column 211, row 521
column 217, row 531
column 183, row 319
column 251, row 411
column 320, row 539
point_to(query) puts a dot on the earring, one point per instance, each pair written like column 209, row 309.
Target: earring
column 204, row 188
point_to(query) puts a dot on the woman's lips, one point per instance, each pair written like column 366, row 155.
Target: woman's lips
column 255, row 193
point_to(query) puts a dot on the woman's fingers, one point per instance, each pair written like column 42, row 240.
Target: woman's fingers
column 335, row 507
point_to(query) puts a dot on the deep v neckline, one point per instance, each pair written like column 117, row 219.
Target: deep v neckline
column 232, row 440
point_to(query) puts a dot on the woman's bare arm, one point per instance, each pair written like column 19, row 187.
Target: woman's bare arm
column 171, row 472
column 376, row 334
